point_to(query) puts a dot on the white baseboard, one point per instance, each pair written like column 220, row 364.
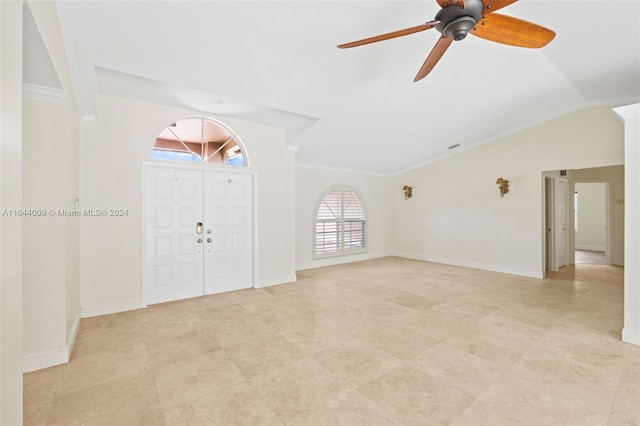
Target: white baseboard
column 111, row 308
column 631, row 336
column 474, row 265
column 44, row 360
column 52, row 358
column 275, row 281
column 339, row 260
column 590, row 248
column 73, row 333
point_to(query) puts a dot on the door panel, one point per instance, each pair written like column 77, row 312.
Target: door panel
column 173, row 256
column 561, row 220
column 229, row 223
column 177, row 266
column 548, row 223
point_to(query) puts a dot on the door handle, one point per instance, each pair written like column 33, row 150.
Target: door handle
column 209, row 240
column 199, row 240
column 199, row 228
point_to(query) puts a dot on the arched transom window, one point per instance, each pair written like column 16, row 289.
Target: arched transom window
column 199, row 139
column 339, row 223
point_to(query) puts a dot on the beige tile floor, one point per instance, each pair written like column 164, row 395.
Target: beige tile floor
column 387, row 341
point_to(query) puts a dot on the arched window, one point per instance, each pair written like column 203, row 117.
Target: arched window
column 339, row 223
column 200, row 139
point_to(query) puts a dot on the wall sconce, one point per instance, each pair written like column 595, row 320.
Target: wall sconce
column 503, row 184
column 407, row 192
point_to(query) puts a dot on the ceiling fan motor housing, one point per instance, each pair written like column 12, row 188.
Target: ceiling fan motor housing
column 456, row 22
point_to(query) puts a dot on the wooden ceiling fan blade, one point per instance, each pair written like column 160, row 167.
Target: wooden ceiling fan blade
column 391, row 35
column 493, row 5
column 445, row 3
column 436, row 53
column 513, row 31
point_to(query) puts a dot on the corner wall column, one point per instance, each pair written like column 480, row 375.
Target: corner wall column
column 630, row 114
column 10, row 224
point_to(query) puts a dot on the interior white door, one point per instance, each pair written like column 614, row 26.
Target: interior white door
column 548, row 224
column 561, row 221
column 228, row 218
column 183, row 259
column 173, row 253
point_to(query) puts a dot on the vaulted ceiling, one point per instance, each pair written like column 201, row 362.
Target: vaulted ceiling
column 276, row 62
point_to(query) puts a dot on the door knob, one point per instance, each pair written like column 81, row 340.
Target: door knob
column 199, row 240
column 209, row 240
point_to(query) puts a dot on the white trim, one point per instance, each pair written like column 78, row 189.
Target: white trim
column 339, row 260
column 88, row 118
column 314, row 221
column 622, row 102
column 465, row 146
column 143, row 212
column 471, row 264
column 44, row 360
column 628, row 112
column 74, row 72
column 629, row 115
column 284, row 279
column 52, row 358
column 293, row 148
column 234, row 137
column 607, row 204
column 111, row 308
column 35, row 92
column 631, row 336
column 71, row 338
column 456, row 262
column 343, row 170
column 254, row 237
column 202, row 167
column 205, row 167
column 548, row 250
column 590, row 248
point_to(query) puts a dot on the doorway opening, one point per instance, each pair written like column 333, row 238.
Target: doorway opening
column 594, row 221
column 591, row 223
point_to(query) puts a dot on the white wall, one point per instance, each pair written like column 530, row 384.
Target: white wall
column 376, row 192
column 50, row 181
column 592, row 216
column 458, row 217
column 44, row 237
column 10, row 226
column 112, row 149
column 631, row 117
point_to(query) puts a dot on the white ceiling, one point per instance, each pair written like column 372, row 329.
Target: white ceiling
column 276, row 62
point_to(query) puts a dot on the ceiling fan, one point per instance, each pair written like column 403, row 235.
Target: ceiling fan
column 457, row 18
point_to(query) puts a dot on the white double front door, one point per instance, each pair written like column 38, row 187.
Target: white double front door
column 198, row 232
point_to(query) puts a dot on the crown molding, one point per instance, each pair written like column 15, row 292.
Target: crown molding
column 41, row 93
column 628, row 112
